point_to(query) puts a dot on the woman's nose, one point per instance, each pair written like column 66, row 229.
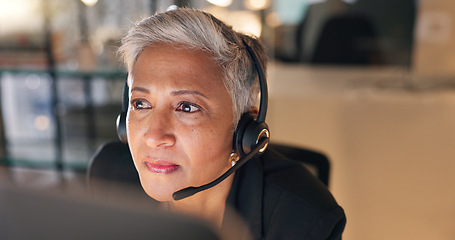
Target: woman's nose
column 159, row 131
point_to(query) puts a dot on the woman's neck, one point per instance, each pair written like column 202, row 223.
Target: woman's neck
column 209, row 204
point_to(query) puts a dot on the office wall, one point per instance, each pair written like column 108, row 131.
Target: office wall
column 390, row 145
column 435, row 36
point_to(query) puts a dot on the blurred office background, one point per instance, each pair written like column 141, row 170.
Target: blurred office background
column 370, row 83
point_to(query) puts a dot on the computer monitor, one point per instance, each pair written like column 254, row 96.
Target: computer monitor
column 27, row 214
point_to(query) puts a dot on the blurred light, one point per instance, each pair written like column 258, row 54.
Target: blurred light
column 350, row 1
column 172, row 8
column 292, row 12
column 89, row 2
column 72, row 64
column 249, row 23
column 242, row 21
column 15, row 16
column 42, row 122
column 33, row 81
column 256, row 4
column 221, row 3
column 10, row 7
column 272, row 19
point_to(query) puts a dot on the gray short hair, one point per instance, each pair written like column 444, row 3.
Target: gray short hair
column 199, row 30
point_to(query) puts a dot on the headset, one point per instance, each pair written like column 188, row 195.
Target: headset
column 251, row 137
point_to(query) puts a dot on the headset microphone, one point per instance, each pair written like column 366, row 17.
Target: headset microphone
column 187, row 192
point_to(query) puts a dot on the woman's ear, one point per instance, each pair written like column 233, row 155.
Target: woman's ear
column 253, row 110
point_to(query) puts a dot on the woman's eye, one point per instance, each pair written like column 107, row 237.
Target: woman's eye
column 140, row 104
column 187, row 107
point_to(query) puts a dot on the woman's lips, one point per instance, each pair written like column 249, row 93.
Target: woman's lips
column 161, row 167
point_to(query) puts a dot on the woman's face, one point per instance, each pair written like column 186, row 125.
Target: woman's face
column 180, row 120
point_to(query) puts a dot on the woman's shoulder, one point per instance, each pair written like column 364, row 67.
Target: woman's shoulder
column 296, row 203
column 292, row 177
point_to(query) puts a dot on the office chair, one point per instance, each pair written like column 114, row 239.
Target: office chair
column 111, row 174
column 317, row 163
column 112, row 164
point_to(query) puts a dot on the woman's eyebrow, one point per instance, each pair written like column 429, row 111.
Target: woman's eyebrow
column 140, row 89
column 173, row 93
column 188, row 92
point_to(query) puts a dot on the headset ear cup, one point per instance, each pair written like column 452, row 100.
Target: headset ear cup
column 254, row 132
column 245, row 120
column 121, row 127
column 248, row 133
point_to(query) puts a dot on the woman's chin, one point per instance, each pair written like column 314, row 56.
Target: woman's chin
column 160, row 194
column 161, row 198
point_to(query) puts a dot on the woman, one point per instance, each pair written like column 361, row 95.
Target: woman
column 190, row 81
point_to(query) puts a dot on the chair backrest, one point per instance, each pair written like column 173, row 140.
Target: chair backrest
column 316, row 162
column 111, row 174
column 112, row 163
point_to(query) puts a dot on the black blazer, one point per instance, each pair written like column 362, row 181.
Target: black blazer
column 281, row 199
